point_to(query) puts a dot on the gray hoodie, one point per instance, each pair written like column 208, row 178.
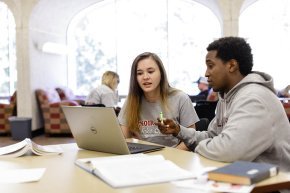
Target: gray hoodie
column 250, row 124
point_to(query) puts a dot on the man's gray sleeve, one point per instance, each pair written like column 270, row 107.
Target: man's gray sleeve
column 191, row 137
column 187, row 135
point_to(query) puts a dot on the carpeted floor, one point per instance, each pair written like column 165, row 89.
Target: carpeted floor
column 40, row 139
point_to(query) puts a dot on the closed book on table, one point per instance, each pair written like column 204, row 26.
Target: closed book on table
column 243, row 172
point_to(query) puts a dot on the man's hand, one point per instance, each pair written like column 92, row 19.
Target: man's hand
column 168, row 126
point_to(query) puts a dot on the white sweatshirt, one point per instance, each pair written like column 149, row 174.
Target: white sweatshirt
column 250, row 124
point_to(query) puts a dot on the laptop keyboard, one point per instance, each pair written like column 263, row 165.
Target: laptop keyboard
column 133, row 147
column 139, row 148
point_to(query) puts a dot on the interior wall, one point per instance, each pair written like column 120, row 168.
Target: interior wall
column 48, row 23
column 40, row 21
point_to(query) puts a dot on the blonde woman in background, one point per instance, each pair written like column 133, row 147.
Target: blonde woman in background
column 106, row 93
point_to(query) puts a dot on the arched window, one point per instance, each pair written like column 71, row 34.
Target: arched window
column 110, row 34
column 7, row 52
column 266, row 25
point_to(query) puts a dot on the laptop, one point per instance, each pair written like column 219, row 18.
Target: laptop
column 98, row 129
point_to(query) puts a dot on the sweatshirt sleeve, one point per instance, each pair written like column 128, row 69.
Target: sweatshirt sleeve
column 245, row 136
column 191, row 137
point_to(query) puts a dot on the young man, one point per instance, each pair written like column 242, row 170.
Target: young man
column 250, row 122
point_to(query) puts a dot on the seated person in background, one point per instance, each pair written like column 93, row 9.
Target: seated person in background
column 106, row 93
column 202, row 85
column 284, row 93
column 149, row 94
column 212, row 95
column 250, row 122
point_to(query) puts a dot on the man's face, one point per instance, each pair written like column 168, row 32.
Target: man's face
column 216, row 72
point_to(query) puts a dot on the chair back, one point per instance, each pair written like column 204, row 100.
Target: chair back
column 206, row 109
column 13, row 98
column 196, row 98
column 47, row 96
column 65, row 93
column 286, row 105
column 202, row 124
column 6, row 111
column 52, row 114
column 13, row 103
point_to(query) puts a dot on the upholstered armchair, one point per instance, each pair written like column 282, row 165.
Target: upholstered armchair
column 66, row 93
column 53, row 116
column 286, row 105
column 6, row 111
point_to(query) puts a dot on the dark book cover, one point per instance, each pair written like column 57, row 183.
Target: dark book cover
column 243, row 172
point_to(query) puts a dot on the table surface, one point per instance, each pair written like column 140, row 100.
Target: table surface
column 62, row 175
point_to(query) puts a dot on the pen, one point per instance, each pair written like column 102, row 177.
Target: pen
column 161, row 117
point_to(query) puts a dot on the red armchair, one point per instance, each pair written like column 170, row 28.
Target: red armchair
column 66, row 93
column 53, row 116
column 286, row 105
column 6, row 111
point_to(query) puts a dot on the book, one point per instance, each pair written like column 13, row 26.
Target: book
column 201, row 183
column 134, row 169
column 243, row 172
column 26, row 147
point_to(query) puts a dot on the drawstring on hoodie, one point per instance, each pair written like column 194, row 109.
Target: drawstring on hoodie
column 221, row 115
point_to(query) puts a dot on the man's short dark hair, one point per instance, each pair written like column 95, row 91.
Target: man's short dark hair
column 234, row 48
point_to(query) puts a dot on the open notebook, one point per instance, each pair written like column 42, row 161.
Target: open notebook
column 98, row 129
column 133, row 170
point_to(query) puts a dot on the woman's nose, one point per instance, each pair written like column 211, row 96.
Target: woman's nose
column 146, row 76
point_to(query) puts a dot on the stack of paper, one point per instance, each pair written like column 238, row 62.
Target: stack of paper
column 27, row 147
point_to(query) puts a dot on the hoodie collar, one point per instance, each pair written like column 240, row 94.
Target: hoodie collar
column 254, row 77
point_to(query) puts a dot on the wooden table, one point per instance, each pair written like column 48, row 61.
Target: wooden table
column 63, row 176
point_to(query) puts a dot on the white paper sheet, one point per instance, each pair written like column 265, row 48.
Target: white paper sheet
column 202, row 184
column 21, row 175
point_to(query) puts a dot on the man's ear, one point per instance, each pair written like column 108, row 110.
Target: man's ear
column 233, row 65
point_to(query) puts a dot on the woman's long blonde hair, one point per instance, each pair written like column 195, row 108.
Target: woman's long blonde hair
column 132, row 108
column 108, row 79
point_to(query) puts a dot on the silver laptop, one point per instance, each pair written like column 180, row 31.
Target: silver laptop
column 98, row 129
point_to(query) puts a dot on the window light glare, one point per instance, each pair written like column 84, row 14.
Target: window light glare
column 54, row 48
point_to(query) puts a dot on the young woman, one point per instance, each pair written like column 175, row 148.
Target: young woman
column 150, row 94
column 105, row 93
